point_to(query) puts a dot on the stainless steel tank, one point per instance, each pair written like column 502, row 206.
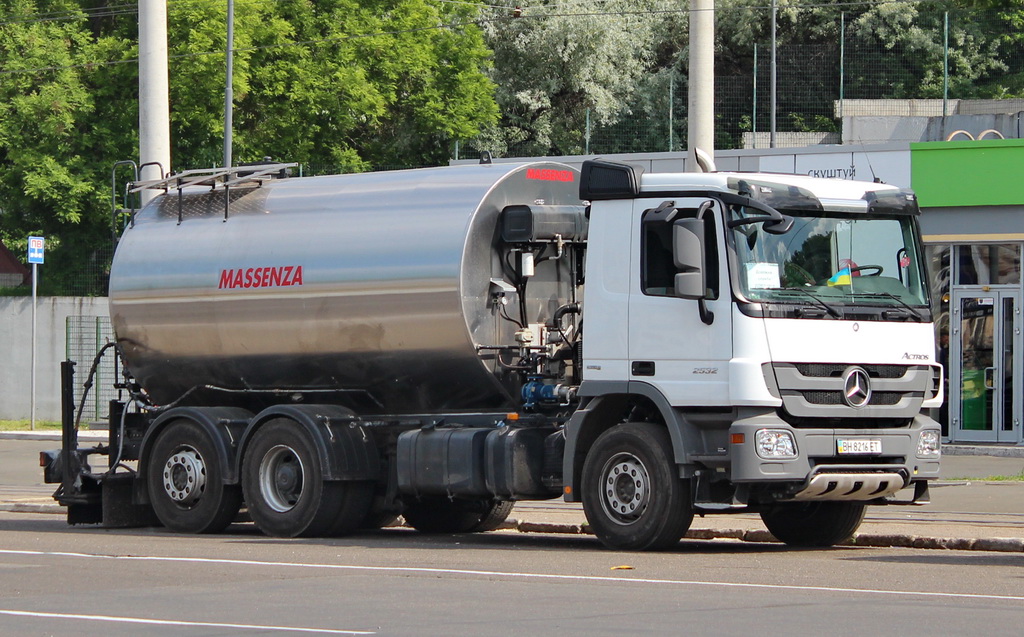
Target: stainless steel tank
column 373, row 290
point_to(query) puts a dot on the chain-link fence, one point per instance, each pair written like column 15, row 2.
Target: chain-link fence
column 86, row 335
column 871, row 63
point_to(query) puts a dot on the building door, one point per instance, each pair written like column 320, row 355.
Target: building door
column 984, row 400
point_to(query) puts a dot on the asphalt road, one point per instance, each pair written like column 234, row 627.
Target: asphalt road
column 60, row 580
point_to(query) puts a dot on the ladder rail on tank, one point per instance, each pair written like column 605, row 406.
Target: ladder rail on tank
column 214, row 178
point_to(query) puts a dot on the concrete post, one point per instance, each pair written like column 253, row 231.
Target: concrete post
column 154, row 95
column 701, row 125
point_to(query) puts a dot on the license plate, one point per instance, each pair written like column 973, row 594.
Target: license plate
column 858, row 445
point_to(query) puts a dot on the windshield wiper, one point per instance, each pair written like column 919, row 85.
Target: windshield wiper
column 828, row 308
column 889, row 295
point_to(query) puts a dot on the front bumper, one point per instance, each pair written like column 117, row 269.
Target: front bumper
column 818, row 471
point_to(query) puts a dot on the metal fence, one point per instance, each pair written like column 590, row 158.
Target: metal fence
column 869, row 64
column 86, row 335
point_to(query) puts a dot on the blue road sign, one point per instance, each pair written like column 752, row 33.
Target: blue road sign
column 35, row 249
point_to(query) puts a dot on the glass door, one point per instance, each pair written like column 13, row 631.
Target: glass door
column 984, row 332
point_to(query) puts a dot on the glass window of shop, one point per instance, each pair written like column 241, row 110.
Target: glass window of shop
column 988, row 264
column 980, row 267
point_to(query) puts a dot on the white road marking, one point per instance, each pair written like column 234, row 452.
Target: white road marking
column 177, row 622
column 515, row 575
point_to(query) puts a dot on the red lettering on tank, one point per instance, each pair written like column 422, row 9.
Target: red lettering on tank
column 266, row 277
column 548, row 174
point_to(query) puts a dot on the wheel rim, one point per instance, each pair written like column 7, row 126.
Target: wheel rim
column 625, row 488
column 281, row 478
column 184, row 476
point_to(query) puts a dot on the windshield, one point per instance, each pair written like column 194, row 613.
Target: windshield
column 832, row 260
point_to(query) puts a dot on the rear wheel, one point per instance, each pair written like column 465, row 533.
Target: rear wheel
column 439, row 514
column 814, row 523
column 632, row 495
column 186, row 481
column 285, row 490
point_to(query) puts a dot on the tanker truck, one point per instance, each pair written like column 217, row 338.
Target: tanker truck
column 325, row 354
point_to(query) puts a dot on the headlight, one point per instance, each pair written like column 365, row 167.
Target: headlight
column 928, row 444
column 775, row 444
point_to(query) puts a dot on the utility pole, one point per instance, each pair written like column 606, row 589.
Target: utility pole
column 701, row 107
column 154, row 99
column 229, row 96
column 774, row 76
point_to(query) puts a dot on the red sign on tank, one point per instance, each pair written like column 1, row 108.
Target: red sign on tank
column 274, row 277
column 548, row 174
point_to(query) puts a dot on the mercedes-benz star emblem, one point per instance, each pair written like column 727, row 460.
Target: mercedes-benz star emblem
column 856, row 387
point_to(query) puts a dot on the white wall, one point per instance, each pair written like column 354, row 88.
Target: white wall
column 51, row 344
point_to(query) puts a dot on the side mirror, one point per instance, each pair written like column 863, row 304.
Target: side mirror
column 688, row 252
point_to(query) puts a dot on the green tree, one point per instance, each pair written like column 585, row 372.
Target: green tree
column 49, row 181
column 347, row 84
column 555, row 62
column 351, row 84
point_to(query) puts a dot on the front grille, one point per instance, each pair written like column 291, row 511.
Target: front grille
column 878, row 398
column 833, row 370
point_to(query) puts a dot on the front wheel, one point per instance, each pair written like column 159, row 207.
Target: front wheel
column 814, row 523
column 632, row 495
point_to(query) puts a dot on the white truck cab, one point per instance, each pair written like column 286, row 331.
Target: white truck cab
column 778, row 325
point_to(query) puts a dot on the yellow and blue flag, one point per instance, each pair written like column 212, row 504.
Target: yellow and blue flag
column 843, row 277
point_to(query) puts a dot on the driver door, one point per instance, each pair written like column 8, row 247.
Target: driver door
column 670, row 346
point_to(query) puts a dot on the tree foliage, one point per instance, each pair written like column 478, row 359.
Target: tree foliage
column 555, row 63
column 349, row 84
column 362, row 84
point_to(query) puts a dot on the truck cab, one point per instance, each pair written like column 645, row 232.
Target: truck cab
column 768, row 337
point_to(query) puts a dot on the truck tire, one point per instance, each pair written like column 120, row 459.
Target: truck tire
column 186, row 481
column 439, row 514
column 282, row 480
column 632, row 495
column 814, row 523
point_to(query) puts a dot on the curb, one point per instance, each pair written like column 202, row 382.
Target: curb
column 32, row 507
column 85, row 435
column 874, row 540
column 983, row 450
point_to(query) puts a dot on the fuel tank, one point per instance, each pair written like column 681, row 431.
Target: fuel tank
column 379, row 291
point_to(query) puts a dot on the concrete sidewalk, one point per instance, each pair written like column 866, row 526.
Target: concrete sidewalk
column 968, row 511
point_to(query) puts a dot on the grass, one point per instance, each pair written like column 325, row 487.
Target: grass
column 25, row 425
column 1019, row 477
column 1016, row 477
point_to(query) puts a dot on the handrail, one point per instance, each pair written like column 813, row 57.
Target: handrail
column 253, row 175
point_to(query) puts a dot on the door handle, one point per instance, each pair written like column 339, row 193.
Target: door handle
column 643, row 368
column 990, row 378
